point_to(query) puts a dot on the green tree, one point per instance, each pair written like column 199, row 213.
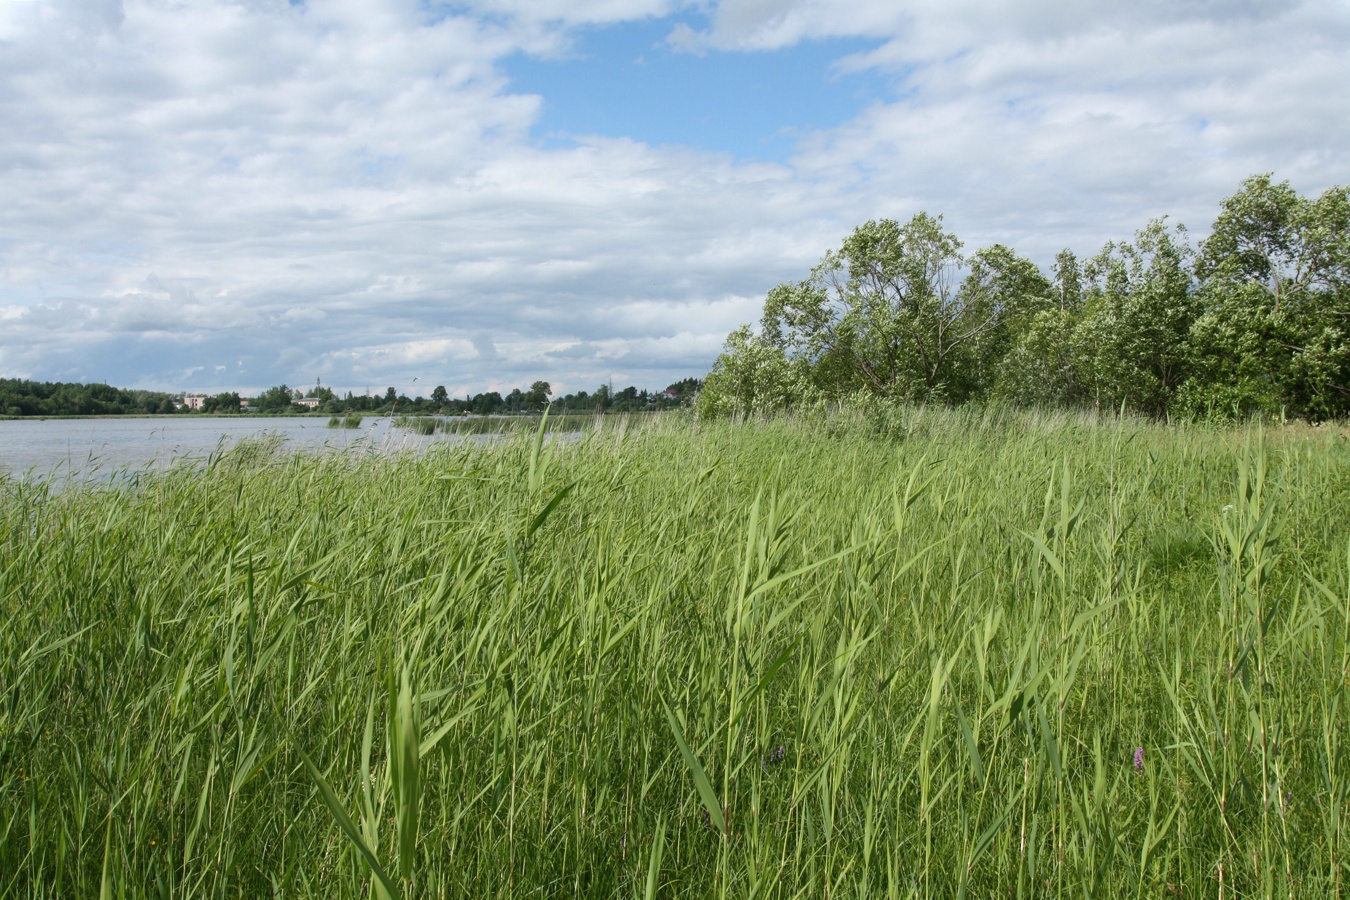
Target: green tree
column 1041, row 367
column 538, row 395
column 439, row 395
column 227, row 402
column 1275, row 329
column 888, row 311
column 753, row 374
column 1006, row 291
column 1132, row 344
column 275, row 399
column 485, row 404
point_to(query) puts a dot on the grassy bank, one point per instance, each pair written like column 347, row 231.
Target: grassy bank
column 1006, row 655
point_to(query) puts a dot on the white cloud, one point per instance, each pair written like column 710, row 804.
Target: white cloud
column 251, row 190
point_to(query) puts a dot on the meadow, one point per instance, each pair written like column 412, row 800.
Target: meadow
column 917, row 653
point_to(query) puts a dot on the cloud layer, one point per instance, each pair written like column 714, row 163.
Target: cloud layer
column 211, row 195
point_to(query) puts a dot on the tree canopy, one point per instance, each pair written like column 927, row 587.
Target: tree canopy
column 43, row 398
column 1256, row 319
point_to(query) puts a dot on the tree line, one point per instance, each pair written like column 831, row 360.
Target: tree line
column 44, row 398
column 1254, row 319
column 518, row 401
column 35, row 398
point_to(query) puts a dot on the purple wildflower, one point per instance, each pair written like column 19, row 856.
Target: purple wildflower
column 775, row 756
column 1139, row 760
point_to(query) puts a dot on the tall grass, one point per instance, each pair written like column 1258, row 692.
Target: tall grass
column 471, row 425
column 950, row 654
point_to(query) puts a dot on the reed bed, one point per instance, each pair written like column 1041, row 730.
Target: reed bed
column 947, row 653
column 475, row 425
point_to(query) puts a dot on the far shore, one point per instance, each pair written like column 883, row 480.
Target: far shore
column 292, row 415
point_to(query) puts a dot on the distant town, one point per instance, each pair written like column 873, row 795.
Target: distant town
column 21, row 398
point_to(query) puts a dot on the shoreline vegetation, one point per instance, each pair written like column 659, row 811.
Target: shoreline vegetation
column 510, row 421
column 21, row 398
column 900, row 650
column 1249, row 322
column 450, row 425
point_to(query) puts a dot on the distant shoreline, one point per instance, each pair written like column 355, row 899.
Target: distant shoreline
column 311, row 415
column 251, row 415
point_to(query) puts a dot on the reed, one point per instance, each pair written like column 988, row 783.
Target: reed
column 936, row 653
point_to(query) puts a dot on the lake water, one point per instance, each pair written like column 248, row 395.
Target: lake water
column 92, row 448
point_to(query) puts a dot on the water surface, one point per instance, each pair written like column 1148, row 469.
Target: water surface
column 78, row 449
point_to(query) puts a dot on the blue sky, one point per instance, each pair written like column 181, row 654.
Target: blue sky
column 228, row 195
column 626, row 80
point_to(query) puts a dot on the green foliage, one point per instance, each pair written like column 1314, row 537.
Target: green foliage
column 39, row 398
column 1132, row 340
column 753, row 374
column 1275, row 333
column 1256, row 323
column 995, row 654
column 537, row 398
column 227, row 402
column 275, row 399
column 886, row 311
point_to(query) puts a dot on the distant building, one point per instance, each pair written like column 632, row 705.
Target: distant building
column 194, row 401
column 310, row 403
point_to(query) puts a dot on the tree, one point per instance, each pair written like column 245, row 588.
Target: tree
column 685, row 386
column 540, row 391
column 1292, row 248
column 275, row 399
column 1040, row 367
column 1133, row 342
column 483, row 404
column 886, row 312
column 227, row 402
column 753, row 374
column 1274, row 333
column 439, row 395
column 1006, row 291
column 1112, row 331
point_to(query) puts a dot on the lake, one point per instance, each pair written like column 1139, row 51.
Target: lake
column 96, row 448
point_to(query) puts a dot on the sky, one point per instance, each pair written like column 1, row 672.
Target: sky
column 211, row 195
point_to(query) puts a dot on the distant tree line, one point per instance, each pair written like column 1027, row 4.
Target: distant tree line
column 33, row 398
column 1253, row 320
column 518, row 401
column 45, row 398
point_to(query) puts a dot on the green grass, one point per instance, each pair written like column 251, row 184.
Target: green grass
column 907, row 656
column 469, row 425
